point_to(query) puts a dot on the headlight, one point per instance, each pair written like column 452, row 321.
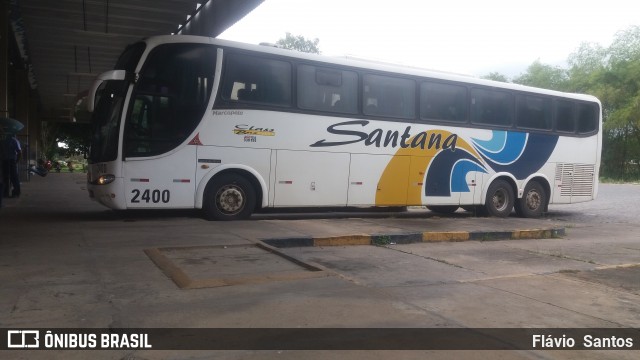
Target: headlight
column 105, row 179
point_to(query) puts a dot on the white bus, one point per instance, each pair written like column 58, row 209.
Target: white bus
column 231, row 128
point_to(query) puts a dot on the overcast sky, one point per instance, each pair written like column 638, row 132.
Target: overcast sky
column 462, row 36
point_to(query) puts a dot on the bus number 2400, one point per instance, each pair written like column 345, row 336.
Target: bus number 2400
column 154, row 196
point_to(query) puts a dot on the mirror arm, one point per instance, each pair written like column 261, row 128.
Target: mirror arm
column 106, row 76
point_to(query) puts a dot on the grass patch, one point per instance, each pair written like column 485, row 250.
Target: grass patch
column 607, row 180
column 381, row 240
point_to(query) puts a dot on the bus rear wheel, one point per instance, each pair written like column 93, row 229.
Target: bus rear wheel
column 533, row 202
column 500, row 199
column 229, row 197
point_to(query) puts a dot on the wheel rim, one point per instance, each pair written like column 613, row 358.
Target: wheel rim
column 230, row 199
column 500, row 199
column 533, row 200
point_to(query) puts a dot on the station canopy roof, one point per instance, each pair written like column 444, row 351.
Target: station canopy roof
column 67, row 43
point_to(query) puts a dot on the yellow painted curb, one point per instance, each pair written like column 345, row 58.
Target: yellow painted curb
column 169, row 268
column 183, row 281
column 445, row 236
column 343, row 240
column 531, row 234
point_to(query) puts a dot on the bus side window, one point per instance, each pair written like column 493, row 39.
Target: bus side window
column 587, row 118
column 491, row 107
column 533, row 112
column 243, row 94
column 249, row 79
column 327, row 89
column 389, row 96
column 565, row 116
column 446, row 102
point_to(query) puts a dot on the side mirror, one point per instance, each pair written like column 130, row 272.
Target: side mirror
column 105, row 76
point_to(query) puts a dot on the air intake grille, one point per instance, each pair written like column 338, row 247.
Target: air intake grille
column 576, row 179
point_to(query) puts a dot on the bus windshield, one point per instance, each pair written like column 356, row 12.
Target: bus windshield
column 106, row 121
column 108, row 112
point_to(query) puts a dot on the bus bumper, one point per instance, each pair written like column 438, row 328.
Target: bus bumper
column 109, row 195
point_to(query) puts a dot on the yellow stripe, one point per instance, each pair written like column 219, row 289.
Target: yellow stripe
column 445, row 236
column 343, row 240
column 402, row 181
column 531, row 234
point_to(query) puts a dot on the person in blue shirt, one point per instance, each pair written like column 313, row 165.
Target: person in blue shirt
column 12, row 154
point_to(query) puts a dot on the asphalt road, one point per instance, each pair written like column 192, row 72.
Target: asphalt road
column 615, row 204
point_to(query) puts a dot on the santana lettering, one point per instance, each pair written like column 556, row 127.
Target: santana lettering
column 393, row 138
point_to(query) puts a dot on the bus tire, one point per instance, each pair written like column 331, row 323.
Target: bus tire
column 533, row 202
column 443, row 209
column 229, row 197
column 500, row 199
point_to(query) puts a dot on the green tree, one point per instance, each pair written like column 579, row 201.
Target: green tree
column 613, row 75
column 495, row 76
column 543, row 76
column 586, row 67
column 299, row 43
column 76, row 136
column 620, row 93
column 49, row 145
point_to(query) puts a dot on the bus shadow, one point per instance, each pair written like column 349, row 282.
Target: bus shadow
column 40, row 216
column 305, row 213
column 297, row 213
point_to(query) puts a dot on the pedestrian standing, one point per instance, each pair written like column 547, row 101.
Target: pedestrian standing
column 13, row 151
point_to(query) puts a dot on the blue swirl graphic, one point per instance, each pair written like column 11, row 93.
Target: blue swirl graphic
column 448, row 171
column 459, row 174
column 504, row 148
column 520, row 154
column 493, row 145
column 535, row 154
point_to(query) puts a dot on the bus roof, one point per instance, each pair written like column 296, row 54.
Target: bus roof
column 362, row 64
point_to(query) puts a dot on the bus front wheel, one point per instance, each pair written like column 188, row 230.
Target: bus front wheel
column 229, row 197
column 533, row 202
column 500, row 199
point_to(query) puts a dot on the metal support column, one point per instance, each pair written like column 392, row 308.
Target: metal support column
column 4, row 58
column 22, row 100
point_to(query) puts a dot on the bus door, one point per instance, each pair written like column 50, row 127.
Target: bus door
column 168, row 103
column 161, row 182
column 158, row 170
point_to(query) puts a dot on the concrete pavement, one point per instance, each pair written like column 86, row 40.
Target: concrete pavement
column 67, row 262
